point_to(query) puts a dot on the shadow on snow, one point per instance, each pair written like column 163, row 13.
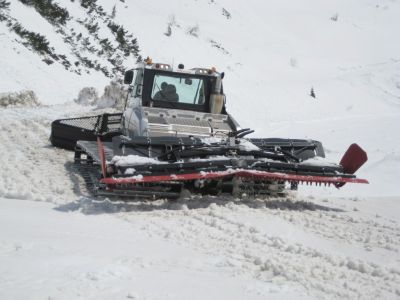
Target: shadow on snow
column 92, row 206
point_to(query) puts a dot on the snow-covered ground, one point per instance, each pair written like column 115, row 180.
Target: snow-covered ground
column 56, row 243
column 207, row 248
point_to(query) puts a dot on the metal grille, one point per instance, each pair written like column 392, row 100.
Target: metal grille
column 157, row 120
column 159, row 127
column 95, row 123
column 219, row 126
column 177, row 122
column 87, row 123
column 191, row 129
column 188, row 122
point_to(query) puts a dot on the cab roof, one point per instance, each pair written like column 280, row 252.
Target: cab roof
column 148, row 64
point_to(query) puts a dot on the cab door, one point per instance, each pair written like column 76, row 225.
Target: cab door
column 133, row 113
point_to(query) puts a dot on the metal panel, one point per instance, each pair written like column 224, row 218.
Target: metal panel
column 180, row 123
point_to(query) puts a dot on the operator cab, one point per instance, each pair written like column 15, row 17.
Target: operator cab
column 158, row 85
column 180, row 102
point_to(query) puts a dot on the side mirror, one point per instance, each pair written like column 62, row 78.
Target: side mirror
column 139, row 90
column 128, row 77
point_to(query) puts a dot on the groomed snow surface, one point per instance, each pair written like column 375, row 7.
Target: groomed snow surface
column 56, row 242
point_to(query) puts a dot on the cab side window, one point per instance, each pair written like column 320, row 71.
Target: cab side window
column 138, row 85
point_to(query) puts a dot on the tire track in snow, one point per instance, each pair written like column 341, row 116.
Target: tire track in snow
column 316, row 265
column 268, row 257
column 367, row 233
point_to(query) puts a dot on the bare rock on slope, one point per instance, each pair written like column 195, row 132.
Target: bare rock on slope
column 87, row 96
column 22, row 98
column 114, row 96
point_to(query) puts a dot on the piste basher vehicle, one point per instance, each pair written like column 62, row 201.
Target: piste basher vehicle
column 176, row 135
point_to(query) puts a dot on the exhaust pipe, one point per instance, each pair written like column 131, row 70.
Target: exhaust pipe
column 217, row 98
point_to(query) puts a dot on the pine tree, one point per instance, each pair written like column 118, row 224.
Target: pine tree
column 114, row 12
column 312, row 93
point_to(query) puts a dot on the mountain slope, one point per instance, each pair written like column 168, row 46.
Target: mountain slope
column 319, row 244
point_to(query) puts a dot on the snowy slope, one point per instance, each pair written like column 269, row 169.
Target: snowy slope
column 321, row 243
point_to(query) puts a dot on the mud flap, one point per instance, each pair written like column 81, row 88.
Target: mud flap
column 352, row 160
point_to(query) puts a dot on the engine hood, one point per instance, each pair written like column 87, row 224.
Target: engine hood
column 174, row 122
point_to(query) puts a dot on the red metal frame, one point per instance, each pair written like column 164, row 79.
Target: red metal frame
column 353, row 159
column 354, row 153
column 233, row 173
column 102, row 156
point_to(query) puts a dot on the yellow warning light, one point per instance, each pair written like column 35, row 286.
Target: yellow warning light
column 148, row 60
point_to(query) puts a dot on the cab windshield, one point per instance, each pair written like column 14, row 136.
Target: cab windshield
column 181, row 89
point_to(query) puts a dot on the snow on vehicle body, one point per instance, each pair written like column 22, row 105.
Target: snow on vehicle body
column 175, row 135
